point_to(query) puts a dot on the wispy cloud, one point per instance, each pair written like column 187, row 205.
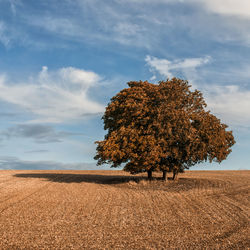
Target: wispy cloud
column 4, row 37
column 14, row 4
column 58, row 25
column 56, row 96
column 109, row 24
column 143, row 24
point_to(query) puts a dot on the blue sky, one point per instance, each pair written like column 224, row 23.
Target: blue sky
column 61, row 61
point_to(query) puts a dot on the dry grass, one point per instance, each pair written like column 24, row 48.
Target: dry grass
column 113, row 210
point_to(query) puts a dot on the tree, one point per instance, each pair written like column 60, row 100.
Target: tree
column 161, row 127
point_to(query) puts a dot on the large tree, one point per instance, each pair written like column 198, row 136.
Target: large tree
column 161, row 127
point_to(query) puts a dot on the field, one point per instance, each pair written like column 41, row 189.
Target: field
column 114, row 210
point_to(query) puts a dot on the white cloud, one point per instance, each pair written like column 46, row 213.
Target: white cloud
column 230, row 102
column 166, row 68
column 240, row 8
column 56, row 96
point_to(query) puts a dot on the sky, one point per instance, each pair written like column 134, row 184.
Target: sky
column 61, row 61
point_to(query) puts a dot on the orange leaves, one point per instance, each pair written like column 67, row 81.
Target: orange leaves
column 159, row 126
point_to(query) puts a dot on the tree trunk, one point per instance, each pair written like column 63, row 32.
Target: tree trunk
column 175, row 173
column 149, row 174
column 164, row 175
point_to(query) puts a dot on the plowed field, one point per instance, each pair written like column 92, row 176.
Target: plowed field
column 114, row 210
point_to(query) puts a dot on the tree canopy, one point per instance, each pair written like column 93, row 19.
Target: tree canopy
column 161, row 127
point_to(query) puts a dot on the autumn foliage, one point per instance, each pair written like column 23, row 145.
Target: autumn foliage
column 161, row 127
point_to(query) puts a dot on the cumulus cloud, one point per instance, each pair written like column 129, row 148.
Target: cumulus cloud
column 54, row 97
column 168, row 68
column 39, row 133
column 230, row 102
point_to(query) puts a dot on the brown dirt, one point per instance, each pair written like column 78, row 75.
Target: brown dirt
column 114, row 210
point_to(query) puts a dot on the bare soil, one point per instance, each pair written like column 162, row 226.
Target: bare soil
column 115, row 210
